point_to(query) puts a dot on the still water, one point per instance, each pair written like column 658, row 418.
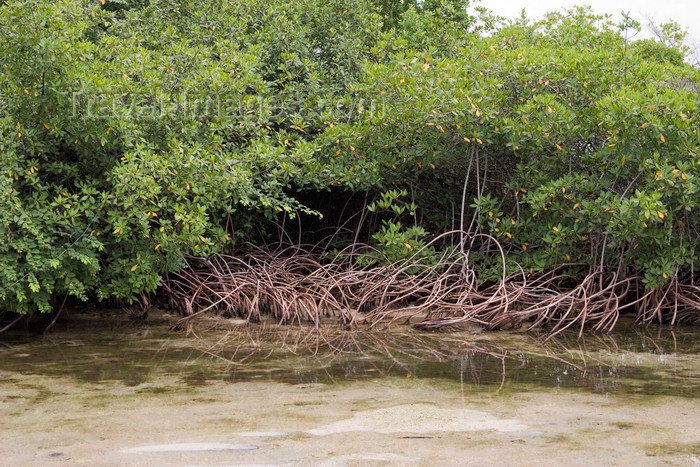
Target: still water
column 111, row 347
column 100, row 387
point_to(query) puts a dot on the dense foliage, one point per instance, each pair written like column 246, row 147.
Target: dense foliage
column 580, row 148
column 137, row 133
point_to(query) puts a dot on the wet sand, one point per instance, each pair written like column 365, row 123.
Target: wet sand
column 387, row 421
column 102, row 390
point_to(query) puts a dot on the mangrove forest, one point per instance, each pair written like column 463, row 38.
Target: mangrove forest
column 421, row 162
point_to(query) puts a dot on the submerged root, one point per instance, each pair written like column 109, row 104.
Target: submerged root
column 299, row 286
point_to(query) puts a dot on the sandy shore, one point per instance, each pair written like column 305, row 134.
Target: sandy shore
column 387, row 421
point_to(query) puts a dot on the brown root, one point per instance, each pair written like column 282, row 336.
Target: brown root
column 298, row 286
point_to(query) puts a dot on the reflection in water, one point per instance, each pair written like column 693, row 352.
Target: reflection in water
column 99, row 348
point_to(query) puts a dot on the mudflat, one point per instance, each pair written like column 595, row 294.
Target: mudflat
column 387, row 421
column 101, row 390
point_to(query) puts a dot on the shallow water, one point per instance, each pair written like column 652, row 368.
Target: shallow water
column 111, row 347
column 102, row 389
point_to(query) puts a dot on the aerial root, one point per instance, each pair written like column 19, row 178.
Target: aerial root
column 297, row 285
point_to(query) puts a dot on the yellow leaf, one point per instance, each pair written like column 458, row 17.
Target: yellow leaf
column 558, row 147
column 26, row 92
column 157, row 246
column 661, row 215
column 684, row 176
column 402, row 80
column 467, row 140
column 576, row 205
column 117, row 230
column 46, row 125
column 479, row 141
column 662, row 138
column 109, row 130
column 585, row 84
column 509, row 235
column 549, row 109
column 103, row 2
column 555, row 228
column 643, row 124
column 162, row 229
column 408, row 246
column 134, row 267
column 426, row 66
column 563, row 190
column 664, row 275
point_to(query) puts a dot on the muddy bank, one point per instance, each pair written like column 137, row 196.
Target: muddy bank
column 117, row 392
column 388, row 421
